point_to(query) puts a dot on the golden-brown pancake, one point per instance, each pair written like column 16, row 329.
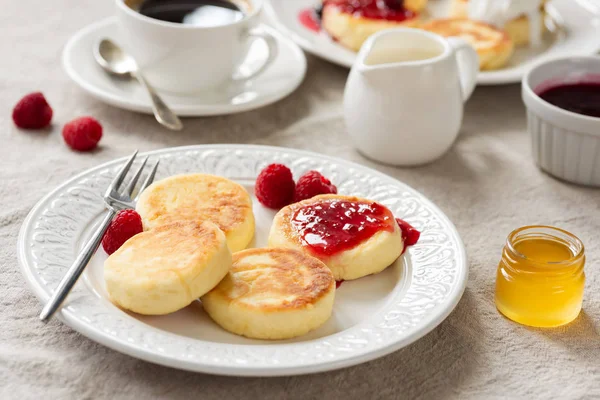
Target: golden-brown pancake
column 493, row 45
column 518, row 29
column 163, row 270
column 272, row 293
column 200, row 197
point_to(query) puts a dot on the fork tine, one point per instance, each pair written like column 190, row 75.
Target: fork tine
column 131, row 185
column 118, row 179
column 148, row 181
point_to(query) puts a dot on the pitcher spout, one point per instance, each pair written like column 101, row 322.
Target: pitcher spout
column 397, row 48
column 366, row 58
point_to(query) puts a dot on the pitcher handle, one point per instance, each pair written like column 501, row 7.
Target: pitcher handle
column 468, row 65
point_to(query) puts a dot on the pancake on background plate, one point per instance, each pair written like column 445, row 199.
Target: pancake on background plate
column 518, row 29
column 351, row 22
column 494, row 47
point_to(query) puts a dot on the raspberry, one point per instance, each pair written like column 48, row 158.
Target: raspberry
column 82, row 134
column 275, row 186
column 125, row 225
column 311, row 184
column 409, row 234
column 32, row 112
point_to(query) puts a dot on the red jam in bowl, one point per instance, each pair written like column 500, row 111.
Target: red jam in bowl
column 389, row 10
column 581, row 98
column 332, row 226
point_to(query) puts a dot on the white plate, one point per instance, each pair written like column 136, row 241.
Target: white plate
column 280, row 79
column 580, row 18
column 372, row 316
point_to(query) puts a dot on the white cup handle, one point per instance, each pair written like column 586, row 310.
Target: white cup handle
column 251, row 35
column 468, row 65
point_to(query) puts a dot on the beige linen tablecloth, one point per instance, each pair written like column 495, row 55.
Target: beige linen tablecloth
column 487, row 184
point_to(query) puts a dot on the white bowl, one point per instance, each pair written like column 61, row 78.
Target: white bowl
column 565, row 144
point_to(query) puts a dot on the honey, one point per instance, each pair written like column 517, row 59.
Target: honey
column 540, row 277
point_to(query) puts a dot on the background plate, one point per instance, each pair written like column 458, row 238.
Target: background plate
column 372, row 316
column 580, row 18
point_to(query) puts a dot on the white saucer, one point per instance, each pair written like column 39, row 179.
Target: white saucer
column 580, row 19
column 280, row 79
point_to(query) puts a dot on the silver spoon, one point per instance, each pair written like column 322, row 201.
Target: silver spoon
column 115, row 61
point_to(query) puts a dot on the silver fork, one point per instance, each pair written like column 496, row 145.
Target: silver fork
column 114, row 201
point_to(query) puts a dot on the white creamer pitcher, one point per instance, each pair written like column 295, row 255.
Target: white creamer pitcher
column 403, row 102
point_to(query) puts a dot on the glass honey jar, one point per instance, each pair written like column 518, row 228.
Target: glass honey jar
column 540, row 277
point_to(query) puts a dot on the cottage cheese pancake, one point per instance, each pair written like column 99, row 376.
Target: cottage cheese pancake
column 272, row 293
column 351, row 22
column 163, row 270
column 494, row 47
column 200, row 197
column 523, row 20
column 354, row 237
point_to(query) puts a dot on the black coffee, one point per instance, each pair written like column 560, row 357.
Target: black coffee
column 193, row 12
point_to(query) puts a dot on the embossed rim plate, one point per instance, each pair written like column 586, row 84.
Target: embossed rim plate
column 581, row 19
column 437, row 269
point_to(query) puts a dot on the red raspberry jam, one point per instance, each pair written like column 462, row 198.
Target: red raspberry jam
column 310, row 19
column 389, row 10
column 332, row 226
column 409, row 234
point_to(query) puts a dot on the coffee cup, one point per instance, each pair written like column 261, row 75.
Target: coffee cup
column 187, row 56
